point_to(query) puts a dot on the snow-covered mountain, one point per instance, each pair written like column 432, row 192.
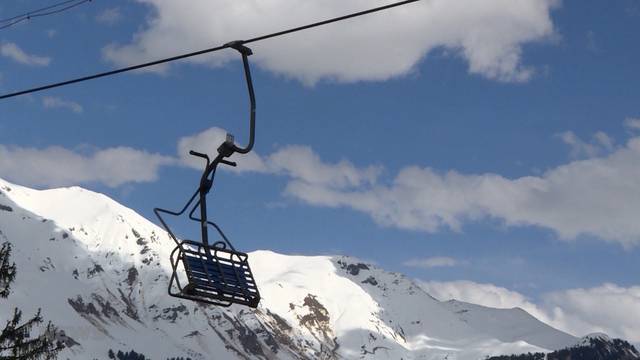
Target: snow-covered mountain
column 600, row 345
column 100, row 272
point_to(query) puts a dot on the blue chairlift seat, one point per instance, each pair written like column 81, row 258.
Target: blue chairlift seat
column 215, row 275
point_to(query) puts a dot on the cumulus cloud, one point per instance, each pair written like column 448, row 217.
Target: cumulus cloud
column 632, row 124
column 488, row 35
column 431, row 262
column 600, row 144
column 608, row 308
column 301, row 164
column 293, row 161
column 595, row 197
column 14, row 52
column 481, row 294
column 207, row 142
column 57, row 166
column 110, row 16
column 57, row 103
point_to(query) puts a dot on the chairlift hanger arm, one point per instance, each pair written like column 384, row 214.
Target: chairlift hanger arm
column 252, row 108
column 227, row 148
column 232, row 147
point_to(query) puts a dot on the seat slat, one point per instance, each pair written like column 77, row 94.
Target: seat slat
column 233, row 284
column 224, row 290
column 214, row 269
column 220, row 277
column 197, row 264
column 217, row 280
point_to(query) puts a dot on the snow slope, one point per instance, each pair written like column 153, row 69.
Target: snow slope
column 510, row 325
column 100, row 271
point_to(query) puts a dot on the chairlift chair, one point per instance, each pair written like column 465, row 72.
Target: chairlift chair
column 215, row 273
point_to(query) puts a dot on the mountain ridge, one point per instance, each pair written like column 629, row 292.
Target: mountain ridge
column 105, row 269
column 595, row 346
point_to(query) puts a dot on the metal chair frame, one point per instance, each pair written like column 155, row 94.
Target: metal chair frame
column 216, row 274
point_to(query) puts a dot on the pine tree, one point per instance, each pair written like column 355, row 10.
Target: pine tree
column 16, row 342
column 7, row 270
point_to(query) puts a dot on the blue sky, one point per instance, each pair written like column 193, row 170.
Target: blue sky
column 496, row 147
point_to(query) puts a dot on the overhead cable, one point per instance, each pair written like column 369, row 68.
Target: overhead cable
column 45, row 11
column 205, row 51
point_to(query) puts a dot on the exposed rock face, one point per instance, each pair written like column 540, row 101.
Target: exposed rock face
column 353, row 269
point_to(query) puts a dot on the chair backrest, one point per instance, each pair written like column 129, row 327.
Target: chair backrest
column 220, row 274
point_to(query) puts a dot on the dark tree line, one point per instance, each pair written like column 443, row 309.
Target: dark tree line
column 617, row 349
column 132, row 355
column 16, row 339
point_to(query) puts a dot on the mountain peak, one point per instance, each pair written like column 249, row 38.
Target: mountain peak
column 597, row 336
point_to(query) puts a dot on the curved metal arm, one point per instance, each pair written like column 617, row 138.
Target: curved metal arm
column 245, row 52
column 225, row 150
column 157, row 211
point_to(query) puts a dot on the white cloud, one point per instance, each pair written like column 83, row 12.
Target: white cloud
column 54, row 102
column 594, row 197
column 601, row 144
column 109, row 16
column 207, row 142
column 488, row 34
column 604, row 140
column 431, row 262
column 608, row 308
column 294, row 161
column 15, row 53
column 301, row 164
column 632, row 124
column 481, row 294
column 570, row 199
column 57, row 166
